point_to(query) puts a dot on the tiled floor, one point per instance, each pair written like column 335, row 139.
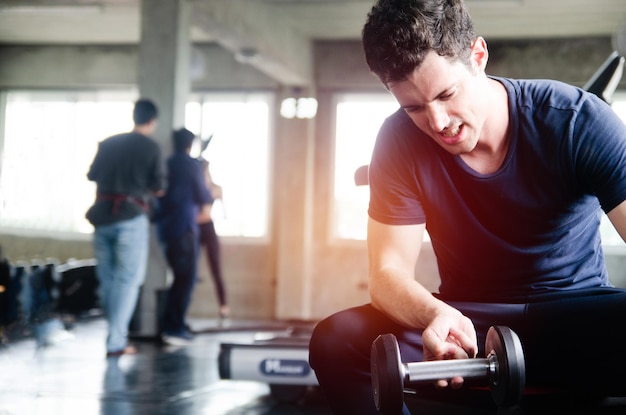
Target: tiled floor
column 72, row 377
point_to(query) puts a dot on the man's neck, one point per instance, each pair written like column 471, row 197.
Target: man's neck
column 492, row 149
column 144, row 129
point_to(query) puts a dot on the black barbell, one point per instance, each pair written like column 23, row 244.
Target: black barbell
column 503, row 368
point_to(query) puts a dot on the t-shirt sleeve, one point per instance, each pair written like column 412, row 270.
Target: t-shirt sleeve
column 394, row 192
column 156, row 180
column 600, row 152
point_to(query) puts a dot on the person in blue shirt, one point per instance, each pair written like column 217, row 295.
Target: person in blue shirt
column 186, row 199
column 509, row 178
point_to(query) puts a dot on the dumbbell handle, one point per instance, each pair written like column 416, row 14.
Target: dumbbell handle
column 431, row 371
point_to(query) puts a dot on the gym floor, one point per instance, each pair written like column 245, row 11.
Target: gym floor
column 71, row 376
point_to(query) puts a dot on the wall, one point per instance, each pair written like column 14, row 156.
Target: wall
column 573, row 61
column 326, row 275
column 60, row 66
column 26, row 248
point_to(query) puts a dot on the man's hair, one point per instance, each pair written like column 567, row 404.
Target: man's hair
column 183, row 138
column 144, row 112
column 398, row 34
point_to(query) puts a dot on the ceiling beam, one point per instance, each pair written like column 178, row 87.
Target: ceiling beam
column 257, row 34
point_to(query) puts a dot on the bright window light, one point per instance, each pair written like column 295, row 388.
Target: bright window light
column 50, row 139
column 49, row 142
column 238, row 156
column 306, row 108
column 288, row 108
column 298, row 108
column 610, row 237
column 359, row 117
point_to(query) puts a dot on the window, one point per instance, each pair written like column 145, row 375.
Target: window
column 359, row 117
column 238, row 156
column 49, row 142
column 619, row 104
column 610, row 237
column 50, row 139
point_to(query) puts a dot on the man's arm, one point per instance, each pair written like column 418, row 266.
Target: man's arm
column 92, row 174
column 618, row 219
column 393, row 253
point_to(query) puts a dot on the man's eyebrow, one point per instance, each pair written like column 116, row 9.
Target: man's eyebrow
column 419, row 106
column 447, row 91
column 412, row 107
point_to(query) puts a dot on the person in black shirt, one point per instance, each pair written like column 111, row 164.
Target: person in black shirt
column 128, row 171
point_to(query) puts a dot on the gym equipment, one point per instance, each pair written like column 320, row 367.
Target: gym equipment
column 280, row 359
column 605, row 80
column 78, row 288
column 42, row 297
column 5, row 290
column 503, row 368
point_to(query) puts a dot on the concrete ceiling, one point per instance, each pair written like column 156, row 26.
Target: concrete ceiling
column 281, row 32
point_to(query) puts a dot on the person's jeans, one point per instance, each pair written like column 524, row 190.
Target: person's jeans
column 121, row 251
column 182, row 257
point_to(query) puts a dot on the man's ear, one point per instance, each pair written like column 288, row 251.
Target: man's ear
column 479, row 54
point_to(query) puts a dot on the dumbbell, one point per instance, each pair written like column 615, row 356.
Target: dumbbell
column 503, row 368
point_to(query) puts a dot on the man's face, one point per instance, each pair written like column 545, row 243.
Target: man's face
column 446, row 100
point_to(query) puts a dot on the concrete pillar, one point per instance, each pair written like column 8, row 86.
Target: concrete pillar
column 294, row 158
column 163, row 76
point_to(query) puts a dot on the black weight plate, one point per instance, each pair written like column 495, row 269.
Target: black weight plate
column 507, row 387
column 387, row 376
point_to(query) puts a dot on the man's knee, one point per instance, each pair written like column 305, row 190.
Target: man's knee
column 322, row 342
column 339, row 337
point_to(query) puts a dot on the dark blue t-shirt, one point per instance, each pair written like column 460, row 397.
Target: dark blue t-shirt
column 185, row 194
column 527, row 231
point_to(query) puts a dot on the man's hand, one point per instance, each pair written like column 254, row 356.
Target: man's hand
column 450, row 336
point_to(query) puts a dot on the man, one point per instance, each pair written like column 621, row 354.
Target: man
column 187, row 200
column 128, row 171
column 508, row 177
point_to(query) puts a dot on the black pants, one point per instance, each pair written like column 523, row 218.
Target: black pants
column 182, row 257
column 211, row 243
column 575, row 344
